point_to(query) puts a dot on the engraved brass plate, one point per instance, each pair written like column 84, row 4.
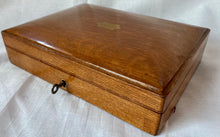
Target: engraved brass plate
column 109, row 26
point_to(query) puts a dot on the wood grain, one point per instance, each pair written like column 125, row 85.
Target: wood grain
column 142, row 97
column 193, row 63
column 121, row 108
column 145, row 51
column 174, row 86
column 132, row 66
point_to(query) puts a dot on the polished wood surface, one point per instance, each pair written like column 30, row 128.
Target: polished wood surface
column 145, row 51
column 118, row 87
column 187, row 70
column 136, row 115
column 132, row 66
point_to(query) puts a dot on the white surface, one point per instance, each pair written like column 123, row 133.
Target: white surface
column 28, row 109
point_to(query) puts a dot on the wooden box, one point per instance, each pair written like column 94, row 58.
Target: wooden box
column 133, row 66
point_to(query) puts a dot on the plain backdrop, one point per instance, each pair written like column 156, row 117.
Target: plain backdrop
column 28, row 109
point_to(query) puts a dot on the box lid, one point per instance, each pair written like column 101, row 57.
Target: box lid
column 141, row 50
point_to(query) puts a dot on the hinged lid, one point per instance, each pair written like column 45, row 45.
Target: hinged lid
column 144, row 51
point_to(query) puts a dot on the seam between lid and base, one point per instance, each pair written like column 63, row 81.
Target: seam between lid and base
column 92, row 66
column 97, row 85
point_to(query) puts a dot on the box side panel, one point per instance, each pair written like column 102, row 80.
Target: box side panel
column 136, row 115
column 188, row 69
column 173, row 87
column 124, row 90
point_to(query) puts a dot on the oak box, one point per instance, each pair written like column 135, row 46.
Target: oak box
column 133, row 66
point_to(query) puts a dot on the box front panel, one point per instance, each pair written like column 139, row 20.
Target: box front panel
column 124, row 90
column 136, row 115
